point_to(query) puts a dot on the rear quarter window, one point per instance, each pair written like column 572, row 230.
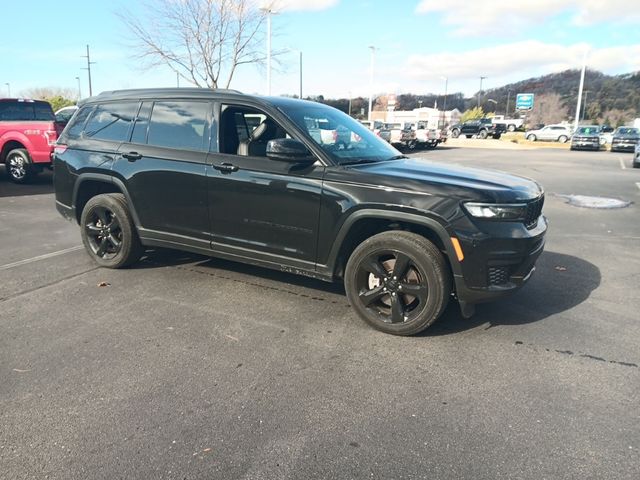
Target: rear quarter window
column 74, row 128
column 111, row 121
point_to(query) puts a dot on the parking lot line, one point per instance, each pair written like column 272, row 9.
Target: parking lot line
column 622, row 165
column 638, row 184
column 40, row 257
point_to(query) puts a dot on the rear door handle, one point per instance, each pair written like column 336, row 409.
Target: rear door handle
column 132, row 156
column 226, row 167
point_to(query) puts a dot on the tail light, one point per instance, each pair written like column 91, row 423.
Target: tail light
column 51, row 136
column 59, row 149
column 335, row 135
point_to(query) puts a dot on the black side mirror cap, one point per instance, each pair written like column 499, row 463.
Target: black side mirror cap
column 289, row 150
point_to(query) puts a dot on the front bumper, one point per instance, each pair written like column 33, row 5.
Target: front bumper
column 497, row 261
column 623, row 147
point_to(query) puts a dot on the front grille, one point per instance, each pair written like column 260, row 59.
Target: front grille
column 498, row 275
column 534, row 210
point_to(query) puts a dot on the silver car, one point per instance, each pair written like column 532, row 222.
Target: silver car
column 550, row 133
column 636, row 156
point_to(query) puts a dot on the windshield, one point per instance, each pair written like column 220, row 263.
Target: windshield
column 344, row 139
column 628, row 131
column 588, row 130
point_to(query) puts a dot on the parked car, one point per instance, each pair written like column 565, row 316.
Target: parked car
column 550, row 133
column 586, row 137
column 404, row 235
column 482, row 128
column 426, row 137
column 625, row 139
column 402, row 136
column 64, row 114
column 636, row 156
column 510, row 124
column 28, row 132
column 606, row 135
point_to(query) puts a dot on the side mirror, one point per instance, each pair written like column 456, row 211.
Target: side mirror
column 289, row 150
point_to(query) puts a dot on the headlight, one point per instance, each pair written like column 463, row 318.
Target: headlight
column 492, row 211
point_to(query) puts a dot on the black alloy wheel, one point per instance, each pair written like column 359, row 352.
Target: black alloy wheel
column 398, row 282
column 108, row 232
column 104, row 232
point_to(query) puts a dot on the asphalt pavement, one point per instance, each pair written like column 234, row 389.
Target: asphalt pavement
column 187, row 367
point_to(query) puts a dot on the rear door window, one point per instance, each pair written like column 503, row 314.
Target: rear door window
column 180, row 124
column 111, row 121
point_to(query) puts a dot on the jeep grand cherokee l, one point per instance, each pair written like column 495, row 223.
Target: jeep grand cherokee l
column 27, row 134
column 185, row 169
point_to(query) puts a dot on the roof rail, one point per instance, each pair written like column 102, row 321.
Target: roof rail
column 174, row 90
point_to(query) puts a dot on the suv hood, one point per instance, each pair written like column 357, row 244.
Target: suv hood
column 451, row 180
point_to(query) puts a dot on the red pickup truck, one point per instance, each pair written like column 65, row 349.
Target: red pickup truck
column 28, row 132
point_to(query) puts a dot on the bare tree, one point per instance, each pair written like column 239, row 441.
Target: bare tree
column 548, row 108
column 203, row 41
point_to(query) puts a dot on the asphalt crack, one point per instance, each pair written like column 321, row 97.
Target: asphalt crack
column 588, row 356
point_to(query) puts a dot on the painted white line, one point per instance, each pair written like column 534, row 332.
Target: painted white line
column 638, row 184
column 622, row 165
column 40, row 257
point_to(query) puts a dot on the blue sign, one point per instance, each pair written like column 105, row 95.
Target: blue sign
column 524, row 101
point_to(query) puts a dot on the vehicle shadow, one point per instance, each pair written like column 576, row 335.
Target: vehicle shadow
column 40, row 185
column 560, row 283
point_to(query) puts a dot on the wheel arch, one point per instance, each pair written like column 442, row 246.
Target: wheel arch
column 89, row 185
column 9, row 145
column 365, row 223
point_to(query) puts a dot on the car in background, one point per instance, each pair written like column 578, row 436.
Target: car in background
column 511, row 124
column 550, row 133
column 625, row 139
column 636, row 156
column 482, row 128
column 28, row 132
column 64, row 114
column 586, row 137
column 606, row 134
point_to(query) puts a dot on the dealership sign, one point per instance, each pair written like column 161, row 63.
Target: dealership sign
column 524, row 101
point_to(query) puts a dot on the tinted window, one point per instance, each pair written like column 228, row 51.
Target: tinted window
column 110, row 121
column 26, row 111
column 142, row 124
column 179, row 124
column 74, row 129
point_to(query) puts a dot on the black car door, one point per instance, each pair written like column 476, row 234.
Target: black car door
column 259, row 207
column 164, row 167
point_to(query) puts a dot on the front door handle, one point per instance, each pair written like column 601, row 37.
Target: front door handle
column 226, row 167
column 132, row 156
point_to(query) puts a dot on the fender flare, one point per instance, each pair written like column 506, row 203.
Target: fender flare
column 16, row 137
column 432, row 224
column 101, row 177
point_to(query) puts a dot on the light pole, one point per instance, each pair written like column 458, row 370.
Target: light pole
column 373, row 59
column 480, row 92
column 79, row 91
column 8, row 89
column 444, row 106
column 495, row 103
column 269, row 12
column 584, row 68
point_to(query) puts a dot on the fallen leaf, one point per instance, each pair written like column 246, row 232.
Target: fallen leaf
column 206, row 450
column 104, row 284
column 561, row 269
column 20, row 371
column 232, row 338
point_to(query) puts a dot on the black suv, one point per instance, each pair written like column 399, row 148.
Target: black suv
column 482, row 128
column 241, row 177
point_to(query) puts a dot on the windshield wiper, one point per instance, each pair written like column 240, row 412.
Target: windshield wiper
column 397, row 157
column 360, row 161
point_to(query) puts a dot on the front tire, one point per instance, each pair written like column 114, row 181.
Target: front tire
column 563, row 139
column 398, row 282
column 19, row 167
column 482, row 134
column 455, row 133
column 108, row 232
column 532, row 138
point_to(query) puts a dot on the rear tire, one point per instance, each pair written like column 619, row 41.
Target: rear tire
column 108, row 232
column 511, row 128
column 482, row 134
column 563, row 139
column 398, row 282
column 455, row 133
column 19, row 167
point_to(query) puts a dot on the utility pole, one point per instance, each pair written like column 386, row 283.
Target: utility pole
column 300, row 52
column 79, row 91
column 88, row 69
column 8, row 89
column 506, row 112
column 178, row 79
column 268, row 11
column 480, row 92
